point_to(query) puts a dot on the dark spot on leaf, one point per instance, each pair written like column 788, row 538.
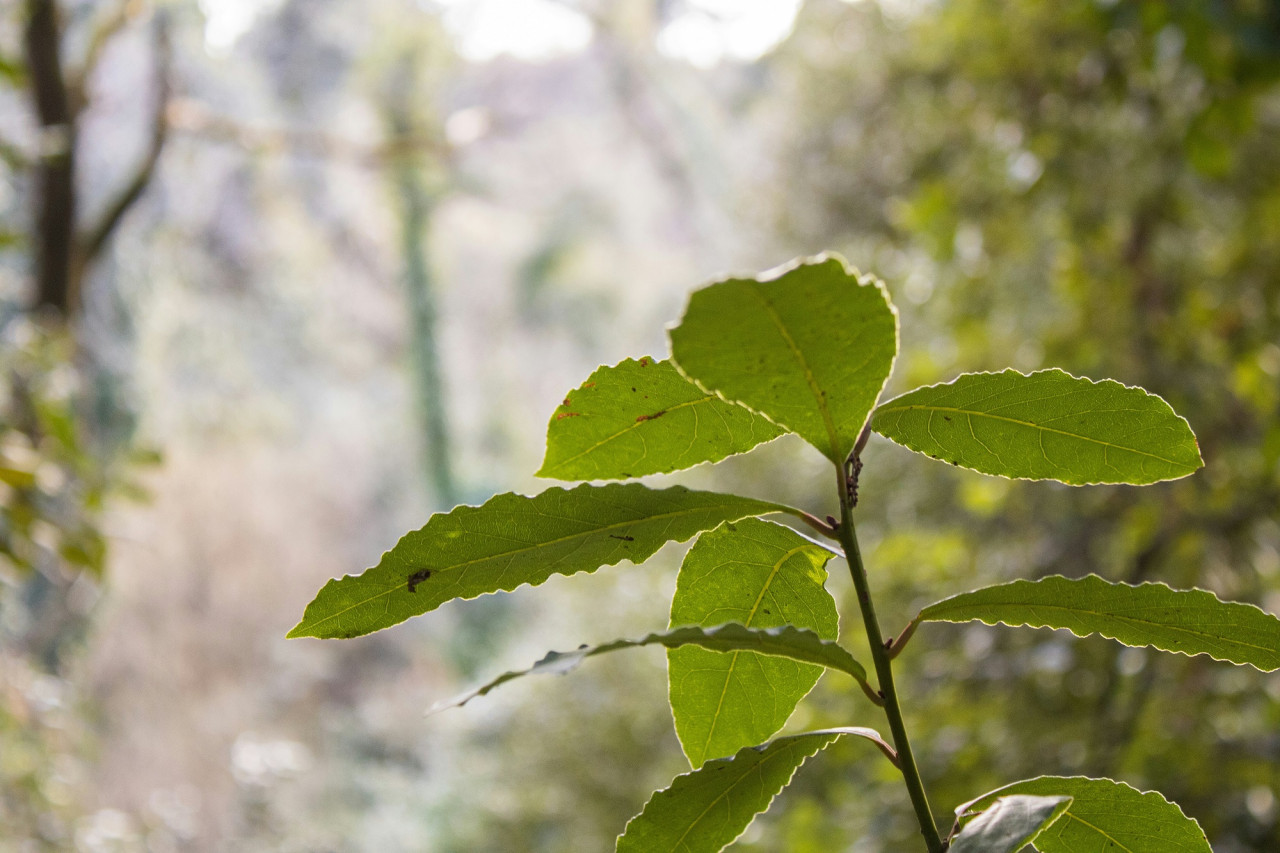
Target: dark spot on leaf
column 588, row 385
column 564, row 415
column 946, row 418
column 633, row 390
column 417, row 578
column 566, row 401
column 655, row 415
column 770, row 612
column 955, row 463
column 644, row 362
column 730, row 527
column 623, row 538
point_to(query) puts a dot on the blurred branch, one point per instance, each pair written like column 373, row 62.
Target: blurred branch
column 96, row 237
column 101, row 36
column 194, row 119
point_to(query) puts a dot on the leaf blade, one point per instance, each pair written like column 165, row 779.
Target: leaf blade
column 761, row 575
column 703, row 811
column 1047, row 425
column 512, row 540
column 643, row 417
column 1009, row 824
column 1106, row 815
column 810, row 348
column 785, row 641
column 1189, row 622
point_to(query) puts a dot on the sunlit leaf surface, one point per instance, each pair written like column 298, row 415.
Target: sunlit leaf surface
column 761, row 575
column 1105, row 816
column 643, row 417
column 513, row 540
column 1191, row 621
column 1047, row 425
column 811, row 349
column 705, row 810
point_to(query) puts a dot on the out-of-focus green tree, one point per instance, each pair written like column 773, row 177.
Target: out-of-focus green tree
column 1096, row 186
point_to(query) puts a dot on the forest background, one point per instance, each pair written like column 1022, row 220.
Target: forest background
column 280, row 278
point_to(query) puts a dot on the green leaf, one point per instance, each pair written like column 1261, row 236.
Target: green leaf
column 1048, row 425
column 513, row 540
column 643, row 417
column 1187, row 621
column 784, row 641
column 1105, row 815
column 1009, row 824
column 810, row 349
column 761, row 575
column 705, row 810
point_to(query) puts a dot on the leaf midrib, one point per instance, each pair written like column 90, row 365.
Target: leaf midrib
column 733, row 661
column 1130, row 619
column 736, row 782
column 970, row 413
column 517, row 551
column 627, row 429
column 804, row 366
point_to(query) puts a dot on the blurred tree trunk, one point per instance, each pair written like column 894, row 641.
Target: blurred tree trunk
column 63, row 250
column 416, row 202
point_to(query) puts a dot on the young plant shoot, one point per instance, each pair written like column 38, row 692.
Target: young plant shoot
column 808, row 350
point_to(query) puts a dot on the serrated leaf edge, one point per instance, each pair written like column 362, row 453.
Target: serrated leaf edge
column 922, row 617
column 1010, row 370
column 858, row 731
column 962, row 809
column 862, row 279
column 542, row 473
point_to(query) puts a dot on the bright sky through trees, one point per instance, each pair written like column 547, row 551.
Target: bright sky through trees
column 704, row 34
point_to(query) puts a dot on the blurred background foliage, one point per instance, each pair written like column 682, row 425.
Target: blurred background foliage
column 338, row 262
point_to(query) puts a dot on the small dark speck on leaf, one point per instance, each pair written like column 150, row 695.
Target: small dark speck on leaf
column 953, row 462
column 730, row 527
column 633, row 390
column 655, row 415
column 564, row 415
column 566, row 401
column 769, row 612
column 623, row 538
column 644, row 362
column 417, row 578
column 946, row 417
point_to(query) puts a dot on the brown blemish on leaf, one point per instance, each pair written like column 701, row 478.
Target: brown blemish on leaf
column 417, row 578
column 654, row 416
column 564, row 415
column 644, row 362
column 623, row 538
column 588, row 384
column 566, row 401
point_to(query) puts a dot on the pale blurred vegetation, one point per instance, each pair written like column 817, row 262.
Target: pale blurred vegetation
column 364, row 262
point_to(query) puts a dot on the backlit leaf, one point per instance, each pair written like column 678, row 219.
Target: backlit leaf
column 760, row 575
column 784, row 641
column 1048, row 425
column 1191, row 621
column 810, row 348
column 513, row 540
column 1009, row 824
column 705, row 810
column 1105, row 816
column 643, row 417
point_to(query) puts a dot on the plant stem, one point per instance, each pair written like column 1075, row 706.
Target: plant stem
column 884, row 671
